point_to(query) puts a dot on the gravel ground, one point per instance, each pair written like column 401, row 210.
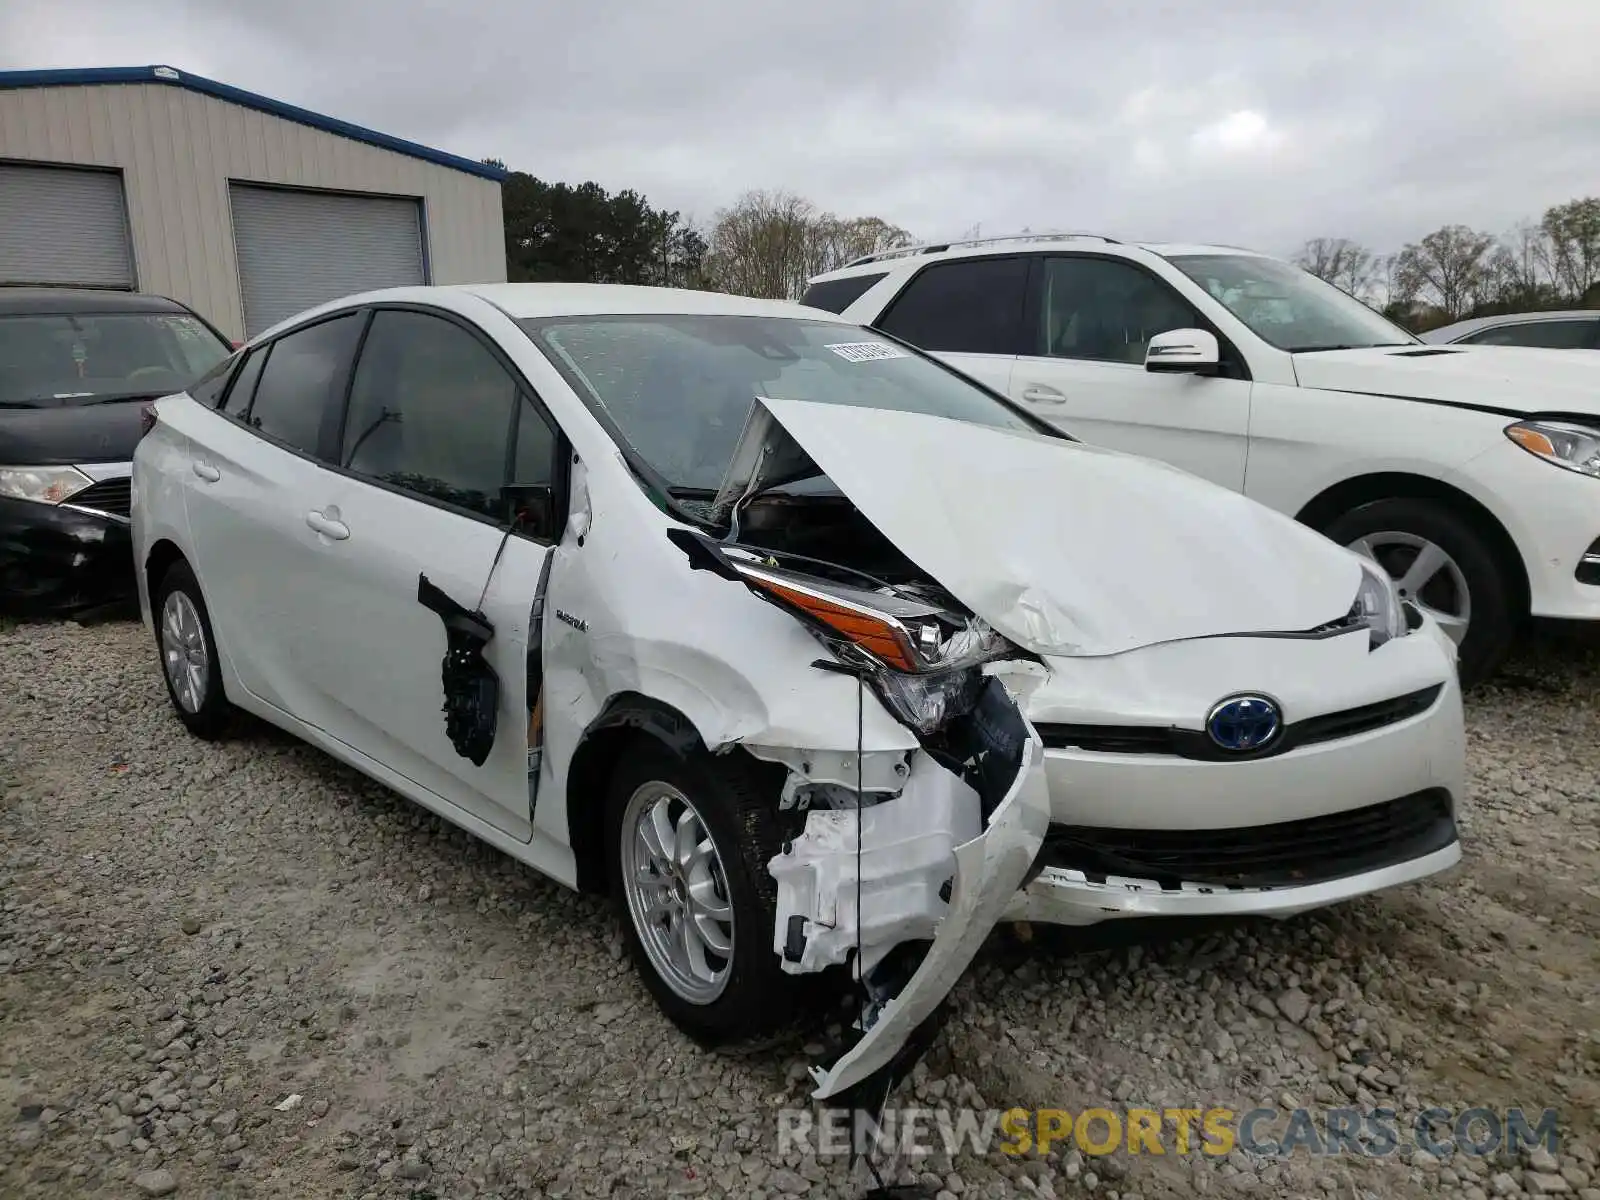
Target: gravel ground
column 241, row 969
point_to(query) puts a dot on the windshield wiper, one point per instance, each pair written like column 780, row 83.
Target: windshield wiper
column 80, row 399
column 1349, row 346
column 117, row 397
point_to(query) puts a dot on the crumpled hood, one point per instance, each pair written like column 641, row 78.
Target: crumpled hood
column 1518, row 378
column 1069, row 549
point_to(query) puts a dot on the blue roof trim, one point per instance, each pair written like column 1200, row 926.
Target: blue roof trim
column 222, row 91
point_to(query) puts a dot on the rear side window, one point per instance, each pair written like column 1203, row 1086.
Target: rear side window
column 1549, row 335
column 303, row 381
column 836, row 295
column 209, row 387
column 244, row 383
column 972, row 306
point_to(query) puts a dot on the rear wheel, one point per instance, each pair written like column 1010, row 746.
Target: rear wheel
column 690, row 841
column 1445, row 566
column 189, row 653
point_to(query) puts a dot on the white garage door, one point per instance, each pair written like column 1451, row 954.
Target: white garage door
column 298, row 249
column 63, row 226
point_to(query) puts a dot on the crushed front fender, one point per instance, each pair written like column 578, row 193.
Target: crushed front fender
column 988, row 871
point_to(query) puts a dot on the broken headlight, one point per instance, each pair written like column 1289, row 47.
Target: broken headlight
column 1378, row 604
column 922, row 660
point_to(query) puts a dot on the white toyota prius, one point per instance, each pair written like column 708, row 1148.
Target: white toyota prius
column 811, row 651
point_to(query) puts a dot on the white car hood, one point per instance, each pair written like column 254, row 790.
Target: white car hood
column 1518, row 378
column 1068, row 549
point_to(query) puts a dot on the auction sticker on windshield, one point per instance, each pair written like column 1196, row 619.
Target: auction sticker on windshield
column 866, row 351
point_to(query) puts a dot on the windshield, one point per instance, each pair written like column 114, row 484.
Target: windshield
column 1290, row 308
column 678, row 388
column 53, row 360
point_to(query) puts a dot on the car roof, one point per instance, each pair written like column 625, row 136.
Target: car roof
column 22, row 301
column 1461, row 329
column 1010, row 244
column 529, row 300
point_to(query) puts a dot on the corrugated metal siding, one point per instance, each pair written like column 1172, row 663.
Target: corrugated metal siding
column 178, row 151
column 62, row 225
column 298, row 249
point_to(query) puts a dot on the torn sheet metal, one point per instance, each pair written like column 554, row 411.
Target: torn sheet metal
column 988, row 870
column 1067, row 504
column 832, row 898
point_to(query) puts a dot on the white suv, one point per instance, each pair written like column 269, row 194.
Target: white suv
column 1460, row 469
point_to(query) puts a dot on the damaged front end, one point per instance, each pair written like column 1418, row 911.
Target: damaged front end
column 905, row 861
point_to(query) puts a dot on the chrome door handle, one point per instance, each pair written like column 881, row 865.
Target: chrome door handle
column 327, row 527
column 206, row 471
column 1040, row 393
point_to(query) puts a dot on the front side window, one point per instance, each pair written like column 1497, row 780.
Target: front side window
column 431, row 412
column 971, row 306
column 679, row 388
column 1549, row 335
column 1094, row 308
column 1287, row 307
column 64, row 359
column 303, row 381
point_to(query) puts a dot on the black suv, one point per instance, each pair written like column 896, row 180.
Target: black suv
column 76, row 368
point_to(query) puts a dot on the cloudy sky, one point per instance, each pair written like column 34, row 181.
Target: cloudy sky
column 1258, row 122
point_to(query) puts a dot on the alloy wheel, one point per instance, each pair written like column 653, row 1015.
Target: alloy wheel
column 677, row 892
column 184, row 653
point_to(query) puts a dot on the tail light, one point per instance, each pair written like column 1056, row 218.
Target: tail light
column 147, row 419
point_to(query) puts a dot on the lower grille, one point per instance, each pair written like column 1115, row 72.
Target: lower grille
column 113, row 497
column 1287, row 854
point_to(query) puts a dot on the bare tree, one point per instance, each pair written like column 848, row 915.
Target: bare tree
column 769, row 243
column 1447, row 267
column 1385, row 284
column 1347, row 265
column 1573, row 230
column 1519, row 270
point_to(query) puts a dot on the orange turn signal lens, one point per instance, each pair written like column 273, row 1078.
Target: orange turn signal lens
column 1532, row 439
column 881, row 636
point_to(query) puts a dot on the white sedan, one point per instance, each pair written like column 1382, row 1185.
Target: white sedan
column 808, row 649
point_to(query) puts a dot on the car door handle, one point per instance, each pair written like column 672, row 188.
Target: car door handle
column 206, row 471
column 1041, row 393
column 327, row 527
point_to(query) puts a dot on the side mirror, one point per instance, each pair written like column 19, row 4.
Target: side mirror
column 1191, row 351
column 531, row 507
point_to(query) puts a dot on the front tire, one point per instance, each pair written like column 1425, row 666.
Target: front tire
column 1443, row 564
column 188, row 650
column 690, row 840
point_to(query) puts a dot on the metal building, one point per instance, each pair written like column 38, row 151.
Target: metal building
column 244, row 208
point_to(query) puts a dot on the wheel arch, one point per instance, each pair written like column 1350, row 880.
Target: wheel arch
column 1350, row 494
column 159, row 561
column 627, row 718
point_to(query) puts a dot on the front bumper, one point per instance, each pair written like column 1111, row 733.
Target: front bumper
column 57, row 559
column 1552, row 515
column 1158, row 834
column 1058, row 897
column 988, row 870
